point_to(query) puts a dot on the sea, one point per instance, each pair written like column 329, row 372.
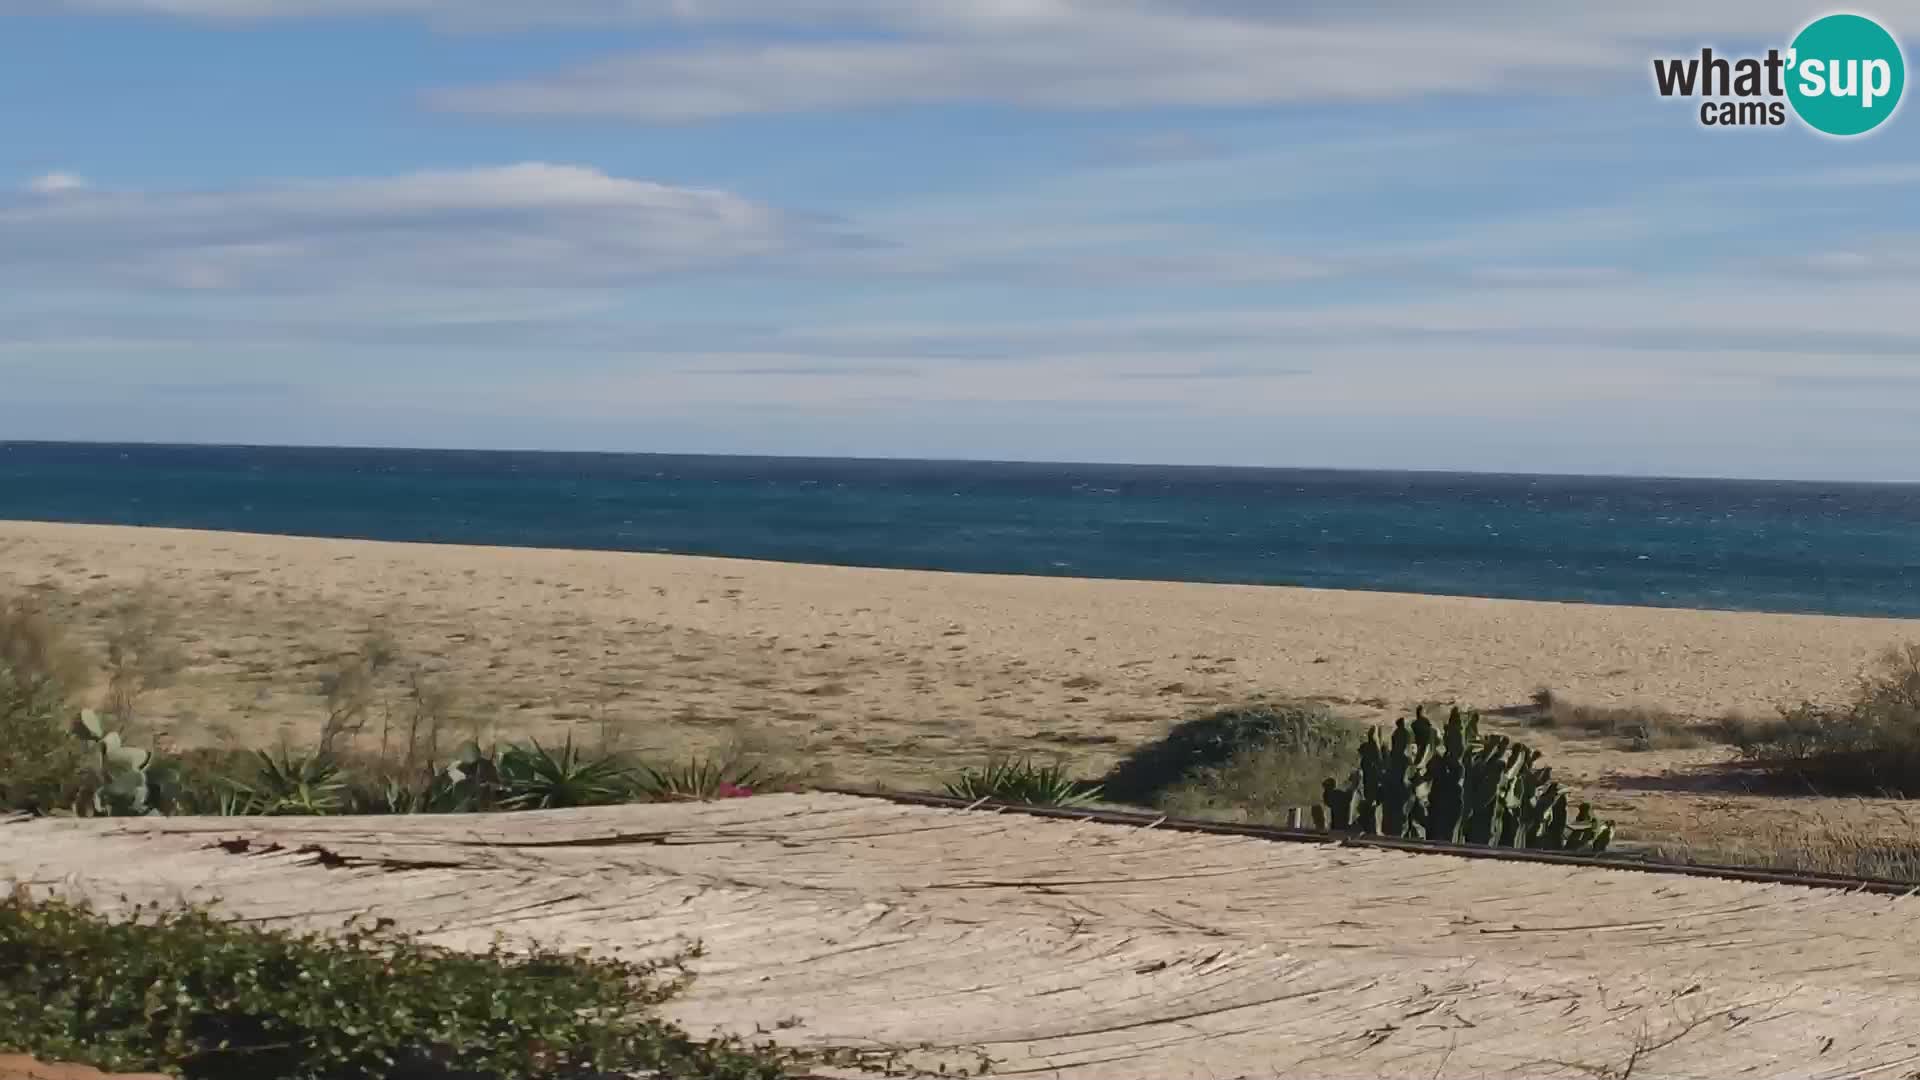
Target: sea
column 1744, row 545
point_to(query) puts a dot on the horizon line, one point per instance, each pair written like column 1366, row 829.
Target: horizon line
column 875, row 459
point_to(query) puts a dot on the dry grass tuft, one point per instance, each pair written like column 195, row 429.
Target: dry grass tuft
column 1885, row 844
column 1636, row 727
column 142, row 653
column 1868, row 746
column 41, row 674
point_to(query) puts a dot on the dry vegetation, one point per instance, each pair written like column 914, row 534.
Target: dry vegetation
column 1634, row 727
column 40, row 674
column 387, row 740
column 1869, row 745
column 386, row 724
column 1887, row 849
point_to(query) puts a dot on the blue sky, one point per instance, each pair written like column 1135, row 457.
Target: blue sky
column 1376, row 233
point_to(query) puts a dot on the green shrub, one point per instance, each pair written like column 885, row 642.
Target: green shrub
column 1021, row 781
column 1868, row 746
column 1263, row 782
column 203, row 999
column 1283, row 751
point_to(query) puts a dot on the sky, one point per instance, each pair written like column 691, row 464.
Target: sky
column 1346, row 233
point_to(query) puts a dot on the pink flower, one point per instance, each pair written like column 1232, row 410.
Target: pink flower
column 732, row 791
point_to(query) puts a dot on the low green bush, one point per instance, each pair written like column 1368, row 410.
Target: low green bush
column 1282, row 771
column 185, row 993
column 1257, row 755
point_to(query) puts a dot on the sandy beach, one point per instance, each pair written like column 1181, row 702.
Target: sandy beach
column 889, row 672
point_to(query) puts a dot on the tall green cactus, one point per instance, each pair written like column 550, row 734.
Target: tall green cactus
column 1455, row 785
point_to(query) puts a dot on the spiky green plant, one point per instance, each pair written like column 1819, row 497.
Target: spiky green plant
column 706, row 778
column 289, row 785
column 532, row 777
column 1020, row 780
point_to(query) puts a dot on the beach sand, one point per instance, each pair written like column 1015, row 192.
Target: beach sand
column 891, row 677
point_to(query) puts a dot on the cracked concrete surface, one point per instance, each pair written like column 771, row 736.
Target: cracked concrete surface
column 1081, row 950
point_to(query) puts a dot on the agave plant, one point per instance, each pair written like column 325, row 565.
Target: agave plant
column 289, row 785
column 532, row 777
column 706, row 778
column 1022, row 781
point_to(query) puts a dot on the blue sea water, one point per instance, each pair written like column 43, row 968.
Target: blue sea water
column 1744, row 545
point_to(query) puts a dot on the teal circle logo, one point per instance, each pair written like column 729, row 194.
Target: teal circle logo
column 1845, row 75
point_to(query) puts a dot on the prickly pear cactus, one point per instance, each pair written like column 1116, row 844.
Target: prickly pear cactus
column 1454, row 785
column 126, row 787
column 1339, row 804
column 1443, row 792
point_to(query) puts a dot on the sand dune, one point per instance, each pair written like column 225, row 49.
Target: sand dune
column 898, row 677
column 545, row 637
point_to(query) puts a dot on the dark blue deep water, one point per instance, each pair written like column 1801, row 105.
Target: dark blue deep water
column 1746, row 545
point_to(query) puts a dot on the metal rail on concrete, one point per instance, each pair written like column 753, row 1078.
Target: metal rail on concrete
column 1144, row 820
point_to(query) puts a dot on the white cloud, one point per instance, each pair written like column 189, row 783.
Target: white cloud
column 55, row 183
column 1158, row 147
column 528, row 225
column 535, row 225
column 1693, row 323
column 1630, row 16
column 1773, row 378
column 1084, row 61
column 1547, row 276
column 1892, row 256
column 1060, row 53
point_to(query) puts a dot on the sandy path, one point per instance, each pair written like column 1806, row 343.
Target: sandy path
column 887, row 672
column 1084, row 951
